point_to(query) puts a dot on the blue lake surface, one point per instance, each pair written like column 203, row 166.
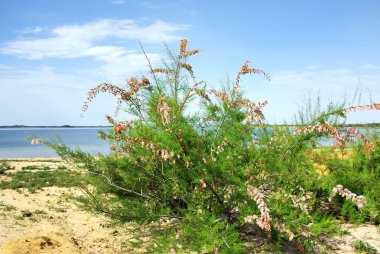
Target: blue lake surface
column 14, row 142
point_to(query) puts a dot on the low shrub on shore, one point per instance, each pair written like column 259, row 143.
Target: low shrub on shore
column 36, row 180
column 220, row 179
column 4, row 166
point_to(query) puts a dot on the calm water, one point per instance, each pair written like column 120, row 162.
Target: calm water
column 14, row 143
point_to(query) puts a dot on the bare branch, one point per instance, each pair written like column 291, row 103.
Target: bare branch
column 109, row 181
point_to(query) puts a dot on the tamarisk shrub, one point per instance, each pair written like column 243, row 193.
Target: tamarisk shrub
column 211, row 175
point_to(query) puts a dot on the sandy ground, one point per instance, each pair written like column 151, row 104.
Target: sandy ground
column 367, row 233
column 49, row 222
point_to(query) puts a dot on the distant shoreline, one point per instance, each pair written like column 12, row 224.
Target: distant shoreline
column 38, row 158
column 48, row 126
column 359, row 125
column 354, row 125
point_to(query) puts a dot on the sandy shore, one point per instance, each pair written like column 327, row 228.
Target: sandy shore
column 48, row 221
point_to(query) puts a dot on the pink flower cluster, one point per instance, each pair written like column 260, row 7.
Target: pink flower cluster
column 326, row 127
column 254, row 111
column 264, row 220
column 300, row 202
column 374, row 106
column 120, row 128
column 243, row 71
column 222, row 145
column 345, row 193
column 278, row 139
column 163, row 154
column 350, row 133
column 133, row 83
column 202, row 183
column 222, row 95
column 282, row 229
column 36, row 141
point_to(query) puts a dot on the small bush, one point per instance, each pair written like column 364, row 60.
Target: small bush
column 4, row 166
column 215, row 172
column 37, row 180
column 363, row 247
column 35, row 167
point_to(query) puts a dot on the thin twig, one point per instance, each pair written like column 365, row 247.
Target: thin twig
column 214, row 192
column 188, row 96
column 151, row 69
column 217, row 132
column 109, row 181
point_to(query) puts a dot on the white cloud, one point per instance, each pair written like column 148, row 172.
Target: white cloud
column 335, row 84
column 120, row 64
column 288, row 89
column 370, row 67
column 46, row 96
column 31, row 30
column 334, row 79
column 99, row 40
column 74, row 41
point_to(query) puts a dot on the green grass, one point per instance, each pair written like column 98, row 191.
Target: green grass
column 36, row 167
column 6, row 208
column 363, row 247
column 4, row 166
column 41, row 167
column 43, row 178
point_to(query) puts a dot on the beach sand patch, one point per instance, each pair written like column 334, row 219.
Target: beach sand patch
column 51, row 243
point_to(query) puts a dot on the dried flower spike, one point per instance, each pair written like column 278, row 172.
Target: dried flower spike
column 163, row 109
column 368, row 145
column 345, row 193
column 243, row 71
column 116, row 91
column 254, row 112
column 182, row 46
column 264, row 220
column 223, row 97
column 374, row 106
column 327, row 128
column 183, row 49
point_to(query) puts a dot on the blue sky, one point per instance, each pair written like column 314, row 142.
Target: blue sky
column 53, row 52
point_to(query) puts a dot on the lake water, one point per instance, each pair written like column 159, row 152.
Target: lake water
column 14, row 142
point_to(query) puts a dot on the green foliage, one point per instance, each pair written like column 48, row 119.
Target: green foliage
column 324, row 225
column 352, row 213
column 360, row 174
column 35, row 167
column 368, row 162
column 363, row 247
column 202, row 234
column 6, row 208
column 4, row 166
column 37, row 180
column 216, row 171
